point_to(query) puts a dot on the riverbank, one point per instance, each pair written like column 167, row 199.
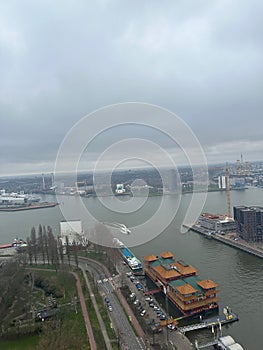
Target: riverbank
column 42, row 205
column 230, row 239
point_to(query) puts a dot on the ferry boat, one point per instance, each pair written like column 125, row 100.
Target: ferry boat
column 179, row 282
column 130, row 259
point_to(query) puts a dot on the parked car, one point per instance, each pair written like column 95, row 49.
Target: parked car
column 162, row 317
column 171, row 327
column 143, row 312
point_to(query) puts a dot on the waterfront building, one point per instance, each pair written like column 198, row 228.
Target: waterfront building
column 249, row 222
column 72, row 232
column 163, row 269
column 217, row 223
column 179, row 281
column 192, row 295
column 221, row 182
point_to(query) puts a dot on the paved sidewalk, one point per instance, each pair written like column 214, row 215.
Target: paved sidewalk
column 92, row 342
column 85, row 313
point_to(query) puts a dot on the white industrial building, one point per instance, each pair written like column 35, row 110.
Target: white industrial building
column 73, row 230
column 222, row 182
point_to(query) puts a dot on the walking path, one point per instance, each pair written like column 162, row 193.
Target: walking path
column 85, row 313
column 90, row 334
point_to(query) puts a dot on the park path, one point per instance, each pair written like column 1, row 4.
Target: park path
column 92, row 342
column 89, row 330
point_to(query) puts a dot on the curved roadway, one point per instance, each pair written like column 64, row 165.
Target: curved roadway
column 125, row 331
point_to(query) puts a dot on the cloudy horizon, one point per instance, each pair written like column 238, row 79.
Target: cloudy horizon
column 61, row 61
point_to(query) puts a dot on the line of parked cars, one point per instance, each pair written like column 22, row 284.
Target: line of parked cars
column 138, row 304
column 135, row 281
column 107, row 301
column 151, row 302
column 156, row 308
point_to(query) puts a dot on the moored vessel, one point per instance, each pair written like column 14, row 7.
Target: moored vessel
column 180, row 283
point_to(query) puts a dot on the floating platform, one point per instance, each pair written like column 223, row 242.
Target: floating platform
column 210, row 322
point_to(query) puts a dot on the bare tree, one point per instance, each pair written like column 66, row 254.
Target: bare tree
column 75, row 248
column 29, row 250
column 41, row 243
column 33, row 239
column 67, row 247
column 60, row 251
column 45, row 241
column 52, row 245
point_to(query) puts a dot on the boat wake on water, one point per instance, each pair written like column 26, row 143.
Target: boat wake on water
column 121, row 227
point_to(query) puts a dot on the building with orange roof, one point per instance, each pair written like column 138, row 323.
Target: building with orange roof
column 150, row 258
column 167, row 255
column 185, row 269
column 161, row 270
column 179, row 281
column 192, row 295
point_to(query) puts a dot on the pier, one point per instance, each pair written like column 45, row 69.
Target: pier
column 210, row 322
column 223, row 343
column 218, row 237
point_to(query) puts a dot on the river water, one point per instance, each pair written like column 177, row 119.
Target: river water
column 238, row 274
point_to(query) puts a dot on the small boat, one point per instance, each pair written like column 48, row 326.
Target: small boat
column 123, row 228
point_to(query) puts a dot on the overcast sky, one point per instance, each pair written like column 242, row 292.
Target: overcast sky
column 60, row 60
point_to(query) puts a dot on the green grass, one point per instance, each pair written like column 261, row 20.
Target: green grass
column 99, row 339
column 63, row 281
column 73, row 324
column 96, row 256
column 27, row 343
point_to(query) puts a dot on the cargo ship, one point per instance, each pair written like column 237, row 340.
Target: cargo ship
column 129, row 258
column 180, row 283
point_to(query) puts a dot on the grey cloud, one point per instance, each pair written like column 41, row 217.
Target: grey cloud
column 61, row 60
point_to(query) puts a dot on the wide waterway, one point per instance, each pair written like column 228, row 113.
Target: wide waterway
column 238, row 274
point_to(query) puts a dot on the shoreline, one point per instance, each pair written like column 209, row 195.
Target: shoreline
column 29, row 207
column 238, row 244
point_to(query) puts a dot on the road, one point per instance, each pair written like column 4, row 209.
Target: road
column 128, row 338
column 94, row 302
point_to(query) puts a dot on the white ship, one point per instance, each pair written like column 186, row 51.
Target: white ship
column 15, row 198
